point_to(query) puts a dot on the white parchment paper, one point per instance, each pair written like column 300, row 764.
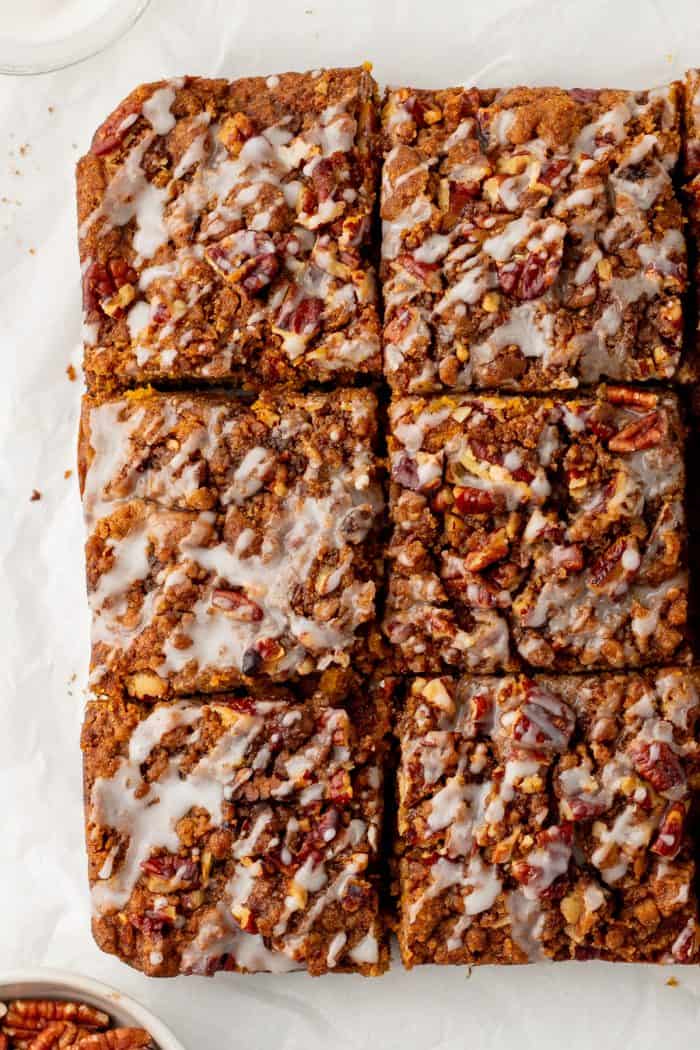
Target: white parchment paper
column 45, row 123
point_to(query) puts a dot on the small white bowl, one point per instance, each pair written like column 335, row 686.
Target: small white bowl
column 55, row 984
column 23, row 56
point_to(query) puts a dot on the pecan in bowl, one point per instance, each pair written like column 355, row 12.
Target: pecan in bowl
column 49, row 1010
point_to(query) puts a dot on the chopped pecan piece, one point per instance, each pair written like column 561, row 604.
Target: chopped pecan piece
column 235, row 132
column 492, row 550
column 237, row 604
column 669, row 839
column 469, row 500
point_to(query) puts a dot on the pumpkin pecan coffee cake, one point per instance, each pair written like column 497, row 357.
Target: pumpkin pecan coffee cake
column 532, row 238
column 227, row 540
column 545, row 818
column 238, row 832
column 537, row 532
column 224, row 232
column 256, row 675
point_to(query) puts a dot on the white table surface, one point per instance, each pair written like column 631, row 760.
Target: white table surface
column 45, row 123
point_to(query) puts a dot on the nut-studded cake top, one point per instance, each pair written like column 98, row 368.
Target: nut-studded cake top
column 227, row 540
column 235, row 832
column 550, row 815
column 537, row 530
column 223, row 232
column 532, row 238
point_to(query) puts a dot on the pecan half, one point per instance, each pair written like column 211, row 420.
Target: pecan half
column 584, row 94
column 580, row 807
column 248, row 261
column 543, row 865
column 684, row 946
column 527, row 278
column 569, row 559
column 117, row 1039
column 658, row 764
column 260, row 273
column 428, row 273
column 109, row 135
column 626, row 395
column 459, row 195
column 57, row 1036
column 610, row 565
column 35, row 1014
column 167, row 866
column 166, row 873
column 640, row 433
column 534, row 267
column 109, row 288
column 543, row 722
column 305, row 318
column 328, row 174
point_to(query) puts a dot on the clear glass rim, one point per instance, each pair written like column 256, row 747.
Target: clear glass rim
column 47, row 57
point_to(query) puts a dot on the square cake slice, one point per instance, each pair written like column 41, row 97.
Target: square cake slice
column 228, row 540
column 237, row 832
column 545, row 818
column 532, row 239
column 537, row 532
column 224, row 230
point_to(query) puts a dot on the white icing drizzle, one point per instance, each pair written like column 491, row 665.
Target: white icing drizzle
column 149, row 821
column 526, row 924
column 156, row 110
column 366, row 951
column 478, row 883
column 221, row 936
